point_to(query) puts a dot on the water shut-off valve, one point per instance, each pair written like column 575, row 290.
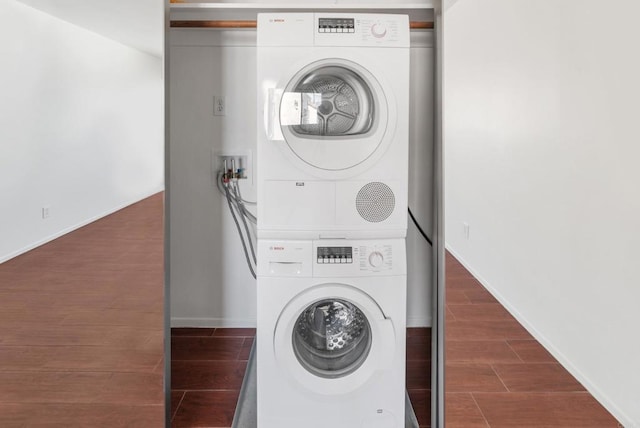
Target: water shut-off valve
column 230, row 172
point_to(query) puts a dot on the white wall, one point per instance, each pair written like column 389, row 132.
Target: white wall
column 210, row 282
column 421, row 179
column 81, row 124
column 541, row 159
column 138, row 24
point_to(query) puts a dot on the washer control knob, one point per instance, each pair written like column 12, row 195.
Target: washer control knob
column 376, row 259
column 378, row 30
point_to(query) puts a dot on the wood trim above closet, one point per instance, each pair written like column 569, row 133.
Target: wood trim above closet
column 414, row 25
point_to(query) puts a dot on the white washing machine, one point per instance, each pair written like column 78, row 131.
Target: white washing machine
column 333, row 115
column 331, row 334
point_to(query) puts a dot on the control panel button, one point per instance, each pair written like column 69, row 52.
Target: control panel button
column 376, row 259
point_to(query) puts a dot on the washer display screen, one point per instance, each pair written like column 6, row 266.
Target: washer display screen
column 335, row 255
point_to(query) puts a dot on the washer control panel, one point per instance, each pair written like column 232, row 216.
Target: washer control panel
column 327, row 258
column 375, row 258
column 335, row 255
column 368, row 257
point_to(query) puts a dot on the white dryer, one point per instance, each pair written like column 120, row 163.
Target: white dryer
column 333, row 109
column 331, row 334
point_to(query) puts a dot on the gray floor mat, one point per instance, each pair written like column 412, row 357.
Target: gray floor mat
column 246, row 417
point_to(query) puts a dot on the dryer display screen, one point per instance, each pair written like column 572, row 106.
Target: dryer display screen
column 335, row 255
column 336, row 25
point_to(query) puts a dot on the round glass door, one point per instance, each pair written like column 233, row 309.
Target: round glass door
column 334, row 115
column 331, row 338
column 335, row 102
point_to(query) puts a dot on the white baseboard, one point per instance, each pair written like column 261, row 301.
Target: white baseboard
column 419, row 322
column 213, row 322
column 74, row 227
column 562, row 359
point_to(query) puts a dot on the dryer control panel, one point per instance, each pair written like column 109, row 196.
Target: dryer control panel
column 362, row 29
column 333, row 29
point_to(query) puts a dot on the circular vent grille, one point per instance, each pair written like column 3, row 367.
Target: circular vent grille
column 375, row 202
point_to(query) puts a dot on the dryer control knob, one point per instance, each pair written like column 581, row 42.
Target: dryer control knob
column 376, row 259
column 378, row 30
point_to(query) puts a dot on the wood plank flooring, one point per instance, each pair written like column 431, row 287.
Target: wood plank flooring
column 208, row 365
column 81, row 326
column 497, row 375
column 81, row 345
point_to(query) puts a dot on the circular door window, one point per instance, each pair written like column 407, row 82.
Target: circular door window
column 336, row 102
column 336, row 117
column 331, row 338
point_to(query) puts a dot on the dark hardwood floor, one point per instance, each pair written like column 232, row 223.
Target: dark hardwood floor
column 81, row 345
column 498, row 375
column 208, row 365
column 81, row 326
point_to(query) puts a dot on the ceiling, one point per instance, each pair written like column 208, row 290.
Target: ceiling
column 136, row 23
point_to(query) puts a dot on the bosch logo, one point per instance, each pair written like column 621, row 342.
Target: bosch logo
column 276, row 248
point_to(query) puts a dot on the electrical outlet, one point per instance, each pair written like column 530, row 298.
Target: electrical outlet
column 46, row 212
column 466, row 230
column 219, row 106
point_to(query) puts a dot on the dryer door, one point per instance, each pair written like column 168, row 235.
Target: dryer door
column 334, row 115
column 332, row 338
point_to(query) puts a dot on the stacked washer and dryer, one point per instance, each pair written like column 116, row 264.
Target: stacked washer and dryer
column 332, row 219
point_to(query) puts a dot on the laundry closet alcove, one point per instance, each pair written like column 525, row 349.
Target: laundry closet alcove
column 212, row 97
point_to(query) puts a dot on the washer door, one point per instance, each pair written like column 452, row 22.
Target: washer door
column 334, row 115
column 331, row 339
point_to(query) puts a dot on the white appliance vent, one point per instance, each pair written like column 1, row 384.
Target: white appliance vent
column 375, row 202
